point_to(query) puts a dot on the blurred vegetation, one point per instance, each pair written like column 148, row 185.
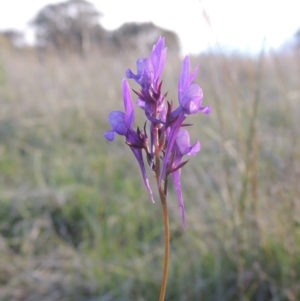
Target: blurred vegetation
column 75, row 220
column 73, row 25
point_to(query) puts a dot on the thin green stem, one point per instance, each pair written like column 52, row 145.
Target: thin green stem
column 167, row 245
column 163, row 198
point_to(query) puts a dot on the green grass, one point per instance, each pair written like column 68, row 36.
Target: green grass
column 75, row 220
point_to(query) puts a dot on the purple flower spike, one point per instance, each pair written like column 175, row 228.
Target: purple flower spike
column 182, row 147
column 149, row 70
column 121, row 124
column 168, row 141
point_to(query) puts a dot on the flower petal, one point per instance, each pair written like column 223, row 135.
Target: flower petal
column 191, row 99
column 139, row 157
column 128, row 105
column 183, row 140
column 194, row 149
column 183, row 144
column 145, row 72
column 206, row 110
column 184, row 76
column 117, row 122
column 176, row 179
column 158, row 57
column 170, row 143
column 110, row 135
column 140, row 103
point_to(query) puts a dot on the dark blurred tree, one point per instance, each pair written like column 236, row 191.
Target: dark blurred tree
column 297, row 38
column 67, row 25
column 142, row 37
column 74, row 25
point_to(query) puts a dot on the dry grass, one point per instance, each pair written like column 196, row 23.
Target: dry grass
column 76, row 223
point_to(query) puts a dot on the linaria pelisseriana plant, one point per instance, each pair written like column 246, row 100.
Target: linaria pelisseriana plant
column 166, row 141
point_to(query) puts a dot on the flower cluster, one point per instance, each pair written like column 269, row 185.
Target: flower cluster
column 168, row 141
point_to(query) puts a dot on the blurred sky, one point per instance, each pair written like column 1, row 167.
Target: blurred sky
column 236, row 24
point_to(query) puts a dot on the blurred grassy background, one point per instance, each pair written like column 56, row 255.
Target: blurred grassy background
column 75, row 220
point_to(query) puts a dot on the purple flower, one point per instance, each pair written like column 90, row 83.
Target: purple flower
column 121, row 124
column 181, row 148
column 148, row 76
column 190, row 99
column 149, row 70
column 190, row 95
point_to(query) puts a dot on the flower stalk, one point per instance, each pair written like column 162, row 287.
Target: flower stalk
column 162, row 190
column 163, row 288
